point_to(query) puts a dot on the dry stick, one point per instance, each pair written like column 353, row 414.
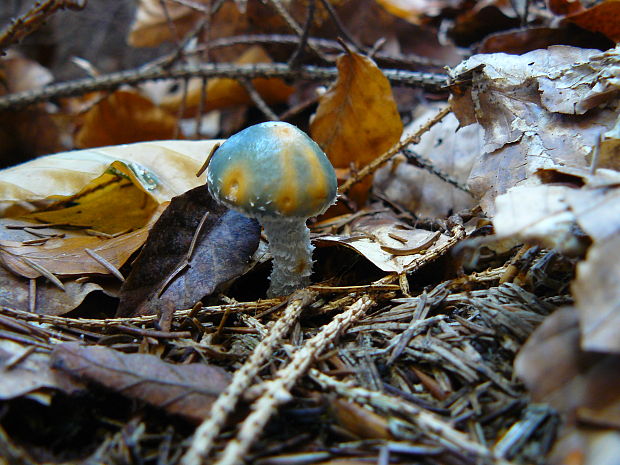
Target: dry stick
column 207, row 432
column 303, row 40
column 396, row 148
column 340, row 26
column 428, row 422
column 33, row 19
column 290, row 21
column 420, row 161
column 258, row 100
column 432, row 82
column 111, row 323
column 277, row 391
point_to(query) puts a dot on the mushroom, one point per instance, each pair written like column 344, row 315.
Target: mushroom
column 275, row 173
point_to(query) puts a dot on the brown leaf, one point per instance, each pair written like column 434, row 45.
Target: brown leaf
column 122, row 118
column 49, row 299
column 151, row 25
column 30, row 374
column 17, row 144
column 357, row 118
column 582, row 385
column 187, row 390
column 597, row 296
column 603, row 17
column 389, row 244
column 414, row 11
column 451, row 150
column 222, row 250
column 161, row 168
column 527, row 106
column 67, row 257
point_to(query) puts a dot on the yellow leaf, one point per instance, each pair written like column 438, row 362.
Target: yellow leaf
column 357, row 118
column 162, row 168
column 124, row 117
column 68, row 257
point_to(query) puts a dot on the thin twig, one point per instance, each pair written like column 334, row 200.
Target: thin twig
column 396, row 148
column 258, row 100
column 207, row 432
column 303, row 40
column 340, row 26
column 277, row 391
column 30, row 21
column 432, row 82
column 429, row 423
column 421, row 162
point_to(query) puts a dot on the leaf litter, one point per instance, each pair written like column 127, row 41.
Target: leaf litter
column 403, row 349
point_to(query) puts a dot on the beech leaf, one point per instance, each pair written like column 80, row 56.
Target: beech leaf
column 187, row 390
column 357, row 118
column 225, row 242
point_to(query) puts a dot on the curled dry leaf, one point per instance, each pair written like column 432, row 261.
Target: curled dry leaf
column 222, row 247
column 357, row 118
column 389, row 244
column 527, row 106
column 163, row 169
column 86, row 189
column 122, row 118
column 187, row 390
column 48, row 299
column 68, row 257
column 558, row 215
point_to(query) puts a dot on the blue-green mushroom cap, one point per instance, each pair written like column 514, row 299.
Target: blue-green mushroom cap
column 272, row 169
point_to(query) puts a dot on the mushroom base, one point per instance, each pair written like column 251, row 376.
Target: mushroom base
column 289, row 244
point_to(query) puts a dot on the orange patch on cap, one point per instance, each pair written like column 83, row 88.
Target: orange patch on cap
column 318, row 188
column 286, row 199
column 234, row 185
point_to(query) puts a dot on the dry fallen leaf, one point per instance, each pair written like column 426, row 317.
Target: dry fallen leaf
column 116, row 200
column 187, row 390
column 357, row 118
column 162, row 168
column 389, row 244
column 30, row 374
column 151, row 25
column 597, row 296
column 450, row 150
column 414, row 11
column 526, row 104
column 19, row 74
column 122, row 118
column 224, row 244
column 603, row 17
column 582, row 385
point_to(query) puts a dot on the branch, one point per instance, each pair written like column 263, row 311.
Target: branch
column 32, row 20
column 432, row 82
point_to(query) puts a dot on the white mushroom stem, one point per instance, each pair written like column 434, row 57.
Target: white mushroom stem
column 289, row 244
